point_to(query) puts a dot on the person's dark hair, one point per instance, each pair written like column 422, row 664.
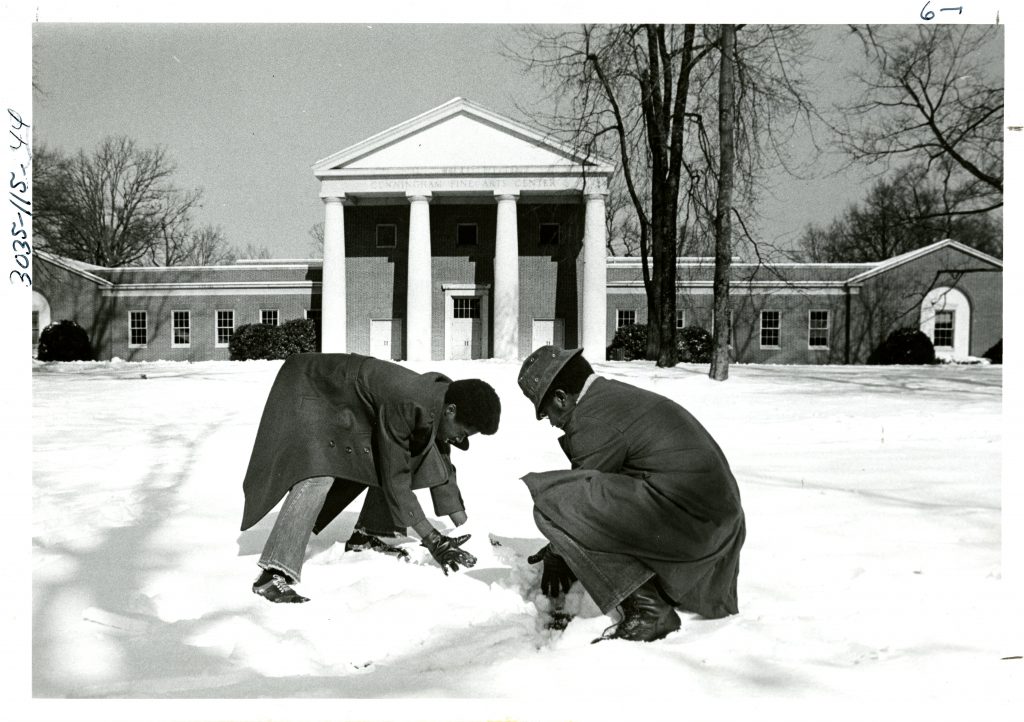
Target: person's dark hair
column 570, row 379
column 476, row 404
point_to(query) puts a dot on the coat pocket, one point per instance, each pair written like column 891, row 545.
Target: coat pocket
column 344, row 446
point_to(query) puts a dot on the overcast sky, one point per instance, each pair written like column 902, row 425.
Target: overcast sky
column 246, row 109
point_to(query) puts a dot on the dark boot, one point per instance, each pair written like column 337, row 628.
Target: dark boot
column 273, row 586
column 646, row 616
column 361, row 541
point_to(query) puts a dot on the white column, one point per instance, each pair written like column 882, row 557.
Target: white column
column 506, row 279
column 595, row 303
column 419, row 287
column 332, row 318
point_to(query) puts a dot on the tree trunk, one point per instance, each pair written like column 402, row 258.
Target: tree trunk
column 723, row 212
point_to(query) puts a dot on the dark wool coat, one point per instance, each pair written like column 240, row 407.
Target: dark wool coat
column 359, row 419
column 651, row 483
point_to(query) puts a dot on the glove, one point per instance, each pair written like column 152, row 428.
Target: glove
column 557, row 576
column 446, row 552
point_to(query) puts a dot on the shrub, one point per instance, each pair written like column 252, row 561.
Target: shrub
column 904, row 346
column 995, row 354
column 64, row 341
column 297, row 336
column 629, row 342
column 694, row 345
column 254, row 341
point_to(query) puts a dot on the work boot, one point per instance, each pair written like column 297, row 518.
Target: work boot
column 361, row 541
column 273, row 586
column 646, row 616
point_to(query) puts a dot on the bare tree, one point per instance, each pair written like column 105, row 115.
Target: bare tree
column 899, row 213
column 933, row 96
column 316, row 235
column 641, row 93
column 115, row 207
column 628, row 88
column 723, row 208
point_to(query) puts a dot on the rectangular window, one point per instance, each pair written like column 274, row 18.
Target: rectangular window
column 680, row 318
column 549, row 234
column 268, row 316
column 225, row 327
column 466, row 234
column 817, row 329
column 624, row 317
column 387, row 235
column 137, row 332
column 466, row 307
column 944, row 328
column 181, row 328
column 770, row 324
column 313, row 313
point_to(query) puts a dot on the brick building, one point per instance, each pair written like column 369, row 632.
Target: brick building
column 463, row 234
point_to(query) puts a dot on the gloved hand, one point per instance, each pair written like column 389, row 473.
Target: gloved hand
column 446, row 552
column 557, row 575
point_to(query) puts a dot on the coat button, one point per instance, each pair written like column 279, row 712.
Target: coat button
column 366, row 450
column 331, row 444
column 348, row 449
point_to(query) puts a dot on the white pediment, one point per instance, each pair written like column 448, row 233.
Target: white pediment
column 458, row 134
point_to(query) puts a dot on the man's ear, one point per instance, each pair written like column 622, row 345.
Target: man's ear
column 560, row 397
column 450, row 409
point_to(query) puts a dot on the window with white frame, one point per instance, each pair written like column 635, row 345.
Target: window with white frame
column 624, row 317
column 466, row 234
column 466, row 307
column 137, row 330
column 313, row 313
column 549, row 233
column 944, row 328
column 268, row 316
column 817, row 329
column 770, row 325
column 181, row 328
column 225, row 327
column 387, row 235
column 680, row 318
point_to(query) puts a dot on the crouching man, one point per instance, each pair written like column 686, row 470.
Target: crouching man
column 336, row 424
column 649, row 517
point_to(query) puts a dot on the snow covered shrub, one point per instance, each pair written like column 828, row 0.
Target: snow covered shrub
column 254, row 341
column 297, row 336
column 629, row 342
column 904, row 346
column 694, row 345
column 64, row 341
column 995, row 354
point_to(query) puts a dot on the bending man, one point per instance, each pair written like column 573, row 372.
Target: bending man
column 336, row 424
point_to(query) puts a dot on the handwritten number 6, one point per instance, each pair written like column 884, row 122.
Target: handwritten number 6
column 927, row 15
column 25, row 278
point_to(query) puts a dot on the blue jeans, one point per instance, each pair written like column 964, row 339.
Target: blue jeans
column 609, row 578
column 285, row 549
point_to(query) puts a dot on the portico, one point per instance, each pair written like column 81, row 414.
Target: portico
column 459, row 185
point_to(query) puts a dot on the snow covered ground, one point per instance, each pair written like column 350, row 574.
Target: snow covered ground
column 870, row 580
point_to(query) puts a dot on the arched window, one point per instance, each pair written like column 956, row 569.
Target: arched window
column 946, row 319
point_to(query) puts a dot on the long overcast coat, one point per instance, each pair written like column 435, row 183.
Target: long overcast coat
column 651, row 483
column 359, row 419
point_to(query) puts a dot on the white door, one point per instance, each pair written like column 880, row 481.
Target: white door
column 548, row 332
column 466, row 329
column 382, row 344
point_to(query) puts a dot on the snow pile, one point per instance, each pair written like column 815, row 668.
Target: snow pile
column 870, row 579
